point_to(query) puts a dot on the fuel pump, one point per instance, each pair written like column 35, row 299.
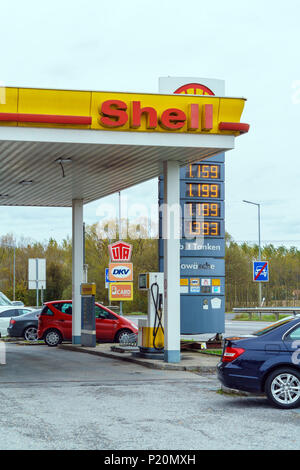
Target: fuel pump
column 88, row 320
column 151, row 330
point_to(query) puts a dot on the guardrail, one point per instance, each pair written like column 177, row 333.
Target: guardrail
column 267, row 311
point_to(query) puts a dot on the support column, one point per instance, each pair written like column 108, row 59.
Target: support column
column 171, row 234
column 77, row 268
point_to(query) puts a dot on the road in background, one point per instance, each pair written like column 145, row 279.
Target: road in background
column 232, row 327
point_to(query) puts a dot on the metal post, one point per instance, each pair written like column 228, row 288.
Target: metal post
column 109, row 260
column 85, row 266
column 14, row 267
column 171, row 235
column 120, row 237
column 37, row 282
column 77, row 268
column 14, row 275
column 259, row 248
column 83, row 225
column 259, row 254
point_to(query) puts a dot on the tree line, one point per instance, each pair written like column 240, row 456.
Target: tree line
column 283, row 287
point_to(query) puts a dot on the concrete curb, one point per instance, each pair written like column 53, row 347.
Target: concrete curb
column 152, row 364
column 241, row 393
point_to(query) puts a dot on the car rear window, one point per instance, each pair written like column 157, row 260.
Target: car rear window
column 46, row 311
column 273, row 327
column 64, row 307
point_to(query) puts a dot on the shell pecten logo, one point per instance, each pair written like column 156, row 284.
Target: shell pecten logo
column 194, row 89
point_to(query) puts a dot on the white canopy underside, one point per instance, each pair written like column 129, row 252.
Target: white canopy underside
column 103, row 162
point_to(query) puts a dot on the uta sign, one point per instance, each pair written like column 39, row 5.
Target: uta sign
column 120, row 251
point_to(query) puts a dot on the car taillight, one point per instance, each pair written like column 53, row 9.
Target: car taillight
column 230, row 354
column 12, row 321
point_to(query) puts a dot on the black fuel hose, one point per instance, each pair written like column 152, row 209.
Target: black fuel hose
column 157, row 300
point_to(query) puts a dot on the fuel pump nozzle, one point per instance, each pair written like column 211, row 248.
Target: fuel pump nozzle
column 151, row 330
column 157, row 301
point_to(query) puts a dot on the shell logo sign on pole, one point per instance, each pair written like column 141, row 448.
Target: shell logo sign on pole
column 120, row 271
column 194, row 89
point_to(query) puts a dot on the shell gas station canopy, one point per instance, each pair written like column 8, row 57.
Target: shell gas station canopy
column 61, row 145
column 65, row 148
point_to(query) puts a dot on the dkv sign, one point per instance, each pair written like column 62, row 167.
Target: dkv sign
column 120, row 272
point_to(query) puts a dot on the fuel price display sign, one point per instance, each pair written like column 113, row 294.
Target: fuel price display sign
column 202, row 244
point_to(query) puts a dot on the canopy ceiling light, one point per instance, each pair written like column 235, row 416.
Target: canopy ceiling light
column 26, row 182
column 61, row 162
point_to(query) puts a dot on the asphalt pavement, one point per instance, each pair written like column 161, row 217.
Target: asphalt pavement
column 57, row 399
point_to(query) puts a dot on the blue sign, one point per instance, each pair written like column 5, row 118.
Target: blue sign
column 106, row 278
column 261, row 271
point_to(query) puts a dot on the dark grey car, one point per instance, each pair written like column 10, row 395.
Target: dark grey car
column 24, row 326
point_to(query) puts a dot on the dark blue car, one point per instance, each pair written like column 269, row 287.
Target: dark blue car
column 267, row 362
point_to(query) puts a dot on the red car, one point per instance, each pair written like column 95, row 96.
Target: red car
column 55, row 323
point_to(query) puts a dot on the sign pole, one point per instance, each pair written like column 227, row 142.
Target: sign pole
column 37, row 277
column 259, row 255
column 37, row 282
column 259, row 245
column 14, row 275
column 120, row 230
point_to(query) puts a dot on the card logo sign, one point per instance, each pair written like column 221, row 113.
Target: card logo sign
column 119, row 275
column 120, row 251
column 120, row 272
column 121, row 291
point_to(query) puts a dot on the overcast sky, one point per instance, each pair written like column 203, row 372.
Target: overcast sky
column 127, row 45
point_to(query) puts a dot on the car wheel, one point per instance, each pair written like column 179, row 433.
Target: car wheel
column 123, row 336
column 283, row 388
column 31, row 333
column 53, row 338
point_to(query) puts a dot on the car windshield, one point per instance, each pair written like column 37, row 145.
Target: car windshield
column 26, row 312
column 4, row 300
column 272, row 327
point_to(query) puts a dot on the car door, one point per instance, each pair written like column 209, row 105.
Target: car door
column 106, row 324
column 63, row 318
column 5, row 317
